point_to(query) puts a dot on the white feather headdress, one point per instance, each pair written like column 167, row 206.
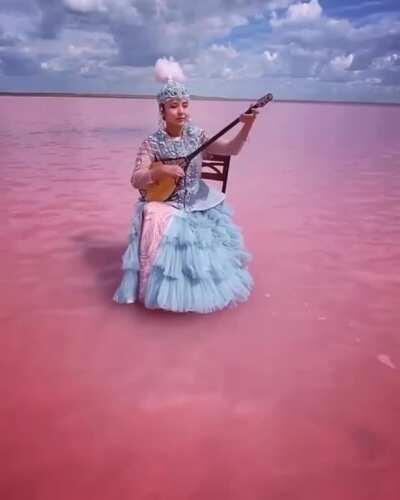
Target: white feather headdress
column 169, row 71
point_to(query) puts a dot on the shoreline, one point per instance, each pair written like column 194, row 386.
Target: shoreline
column 193, row 97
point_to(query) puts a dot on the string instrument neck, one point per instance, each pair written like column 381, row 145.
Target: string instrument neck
column 216, row 136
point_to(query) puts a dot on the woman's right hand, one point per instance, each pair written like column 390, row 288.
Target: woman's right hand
column 160, row 170
column 175, row 171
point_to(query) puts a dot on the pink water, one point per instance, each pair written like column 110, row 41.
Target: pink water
column 293, row 395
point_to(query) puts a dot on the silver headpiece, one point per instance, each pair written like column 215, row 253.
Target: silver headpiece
column 172, row 90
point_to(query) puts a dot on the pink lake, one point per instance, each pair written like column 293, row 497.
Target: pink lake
column 292, row 395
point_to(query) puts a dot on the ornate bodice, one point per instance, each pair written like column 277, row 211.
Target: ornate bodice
column 196, row 194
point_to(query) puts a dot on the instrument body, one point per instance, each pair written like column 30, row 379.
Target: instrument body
column 165, row 188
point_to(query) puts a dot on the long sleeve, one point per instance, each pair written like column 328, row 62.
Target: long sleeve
column 228, row 148
column 141, row 175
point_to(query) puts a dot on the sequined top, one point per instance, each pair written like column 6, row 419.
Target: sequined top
column 198, row 195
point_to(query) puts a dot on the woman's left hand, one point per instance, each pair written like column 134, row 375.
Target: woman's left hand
column 249, row 118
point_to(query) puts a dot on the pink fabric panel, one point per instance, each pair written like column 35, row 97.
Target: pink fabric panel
column 156, row 217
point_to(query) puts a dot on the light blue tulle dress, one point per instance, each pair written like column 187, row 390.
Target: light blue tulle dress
column 200, row 263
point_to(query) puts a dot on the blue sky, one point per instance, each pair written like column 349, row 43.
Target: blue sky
column 315, row 49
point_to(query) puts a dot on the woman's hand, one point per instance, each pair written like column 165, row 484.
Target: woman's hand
column 174, row 171
column 161, row 170
column 249, row 118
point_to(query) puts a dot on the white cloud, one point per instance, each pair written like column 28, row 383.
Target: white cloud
column 53, row 65
column 113, row 9
column 389, row 62
column 338, row 69
column 270, row 56
column 393, row 58
column 304, row 11
column 220, row 25
column 77, row 51
column 227, row 73
column 219, row 61
column 299, row 13
column 279, row 4
column 96, row 48
column 342, row 63
column 91, row 69
column 373, row 80
column 226, row 51
column 85, row 6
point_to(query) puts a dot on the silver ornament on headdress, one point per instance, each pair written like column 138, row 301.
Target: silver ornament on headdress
column 172, row 90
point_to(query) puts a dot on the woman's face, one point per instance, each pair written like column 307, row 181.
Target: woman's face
column 176, row 112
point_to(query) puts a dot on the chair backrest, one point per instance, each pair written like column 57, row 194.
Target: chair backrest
column 219, row 166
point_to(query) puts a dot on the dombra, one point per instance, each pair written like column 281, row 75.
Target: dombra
column 164, row 189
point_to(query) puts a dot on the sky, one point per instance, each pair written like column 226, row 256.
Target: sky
column 307, row 50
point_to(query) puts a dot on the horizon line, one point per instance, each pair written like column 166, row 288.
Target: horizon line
column 195, row 97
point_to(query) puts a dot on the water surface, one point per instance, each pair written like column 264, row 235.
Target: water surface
column 291, row 395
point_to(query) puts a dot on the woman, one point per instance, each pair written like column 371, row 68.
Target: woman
column 184, row 254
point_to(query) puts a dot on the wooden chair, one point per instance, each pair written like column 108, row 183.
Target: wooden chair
column 219, row 166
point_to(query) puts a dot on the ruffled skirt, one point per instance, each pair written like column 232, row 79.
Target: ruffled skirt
column 199, row 263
